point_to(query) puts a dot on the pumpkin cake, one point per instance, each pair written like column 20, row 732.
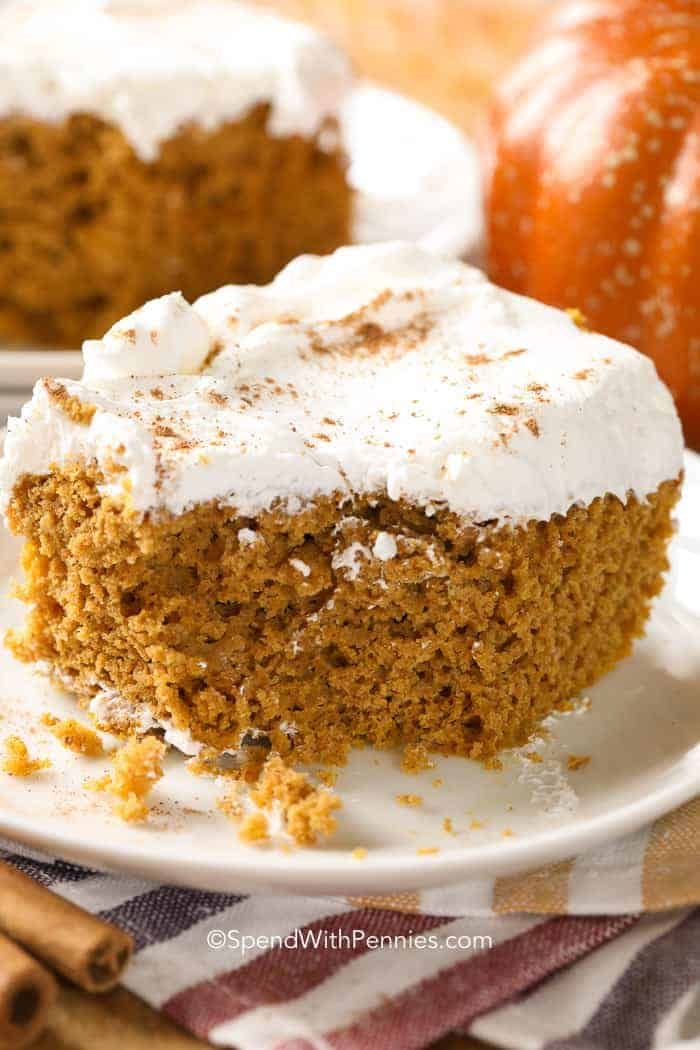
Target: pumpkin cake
column 180, row 143
column 192, row 143
column 377, row 500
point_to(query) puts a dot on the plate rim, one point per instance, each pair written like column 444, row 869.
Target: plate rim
column 338, row 874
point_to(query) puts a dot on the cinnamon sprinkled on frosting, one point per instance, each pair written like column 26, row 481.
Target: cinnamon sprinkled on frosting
column 375, row 369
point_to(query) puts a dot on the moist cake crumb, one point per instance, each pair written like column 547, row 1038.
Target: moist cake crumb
column 307, row 811
column 75, row 736
column 231, row 803
column 575, row 762
column 17, row 761
column 254, row 828
column 80, row 412
column 410, row 800
column 136, row 768
column 416, row 759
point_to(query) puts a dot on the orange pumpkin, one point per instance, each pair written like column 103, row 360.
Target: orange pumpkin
column 593, row 182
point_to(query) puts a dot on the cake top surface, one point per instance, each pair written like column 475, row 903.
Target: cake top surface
column 151, row 66
column 380, row 368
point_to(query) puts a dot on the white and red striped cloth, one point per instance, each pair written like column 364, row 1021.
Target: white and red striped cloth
column 561, row 958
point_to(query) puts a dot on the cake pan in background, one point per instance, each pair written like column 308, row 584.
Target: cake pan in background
column 416, row 177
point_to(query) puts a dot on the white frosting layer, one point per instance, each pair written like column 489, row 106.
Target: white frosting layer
column 376, row 369
column 151, row 66
column 164, row 335
column 113, row 713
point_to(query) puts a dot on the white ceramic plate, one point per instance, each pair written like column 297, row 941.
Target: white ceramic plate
column 642, row 731
column 416, row 177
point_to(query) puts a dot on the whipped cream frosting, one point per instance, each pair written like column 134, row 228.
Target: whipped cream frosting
column 378, row 369
column 151, row 66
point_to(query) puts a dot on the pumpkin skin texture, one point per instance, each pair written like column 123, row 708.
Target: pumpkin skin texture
column 593, row 181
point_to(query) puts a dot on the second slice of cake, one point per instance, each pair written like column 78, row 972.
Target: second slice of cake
column 378, row 500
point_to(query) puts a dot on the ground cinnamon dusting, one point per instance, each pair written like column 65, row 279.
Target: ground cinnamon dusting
column 501, row 409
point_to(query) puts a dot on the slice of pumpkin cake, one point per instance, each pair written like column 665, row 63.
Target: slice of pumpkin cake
column 377, row 500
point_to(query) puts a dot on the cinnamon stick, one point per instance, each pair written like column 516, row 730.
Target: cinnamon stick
column 27, row 990
column 88, row 951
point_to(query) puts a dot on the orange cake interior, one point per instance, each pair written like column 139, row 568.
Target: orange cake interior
column 462, row 642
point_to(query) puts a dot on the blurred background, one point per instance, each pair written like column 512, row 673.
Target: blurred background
column 446, row 53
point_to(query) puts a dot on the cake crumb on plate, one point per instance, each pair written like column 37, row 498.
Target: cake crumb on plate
column 409, row 800
column 136, row 768
column 75, row 736
column 416, row 759
column 305, row 810
column 17, row 761
column 254, row 828
column 576, row 762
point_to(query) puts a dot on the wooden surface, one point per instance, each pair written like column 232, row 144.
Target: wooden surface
column 120, row 1021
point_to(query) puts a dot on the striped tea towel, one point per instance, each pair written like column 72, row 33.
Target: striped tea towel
column 492, row 957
